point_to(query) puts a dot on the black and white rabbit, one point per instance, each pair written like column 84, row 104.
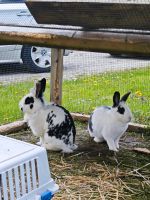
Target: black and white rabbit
column 109, row 123
column 51, row 122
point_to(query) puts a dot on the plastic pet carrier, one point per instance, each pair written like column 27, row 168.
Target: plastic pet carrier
column 24, row 171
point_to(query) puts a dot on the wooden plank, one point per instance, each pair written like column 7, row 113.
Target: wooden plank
column 91, row 14
column 133, row 127
column 139, row 128
column 56, row 75
column 78, row 40
column 12, row 127
column 142, row 150
column 80, row 117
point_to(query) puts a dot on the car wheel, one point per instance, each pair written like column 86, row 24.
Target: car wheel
column 36, row 59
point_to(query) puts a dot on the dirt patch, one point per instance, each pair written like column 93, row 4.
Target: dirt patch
column 94, row 172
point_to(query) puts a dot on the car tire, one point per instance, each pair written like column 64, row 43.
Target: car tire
column 36, row 59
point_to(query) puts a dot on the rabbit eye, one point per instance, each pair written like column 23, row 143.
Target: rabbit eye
column 121, row 110
column 29, row 100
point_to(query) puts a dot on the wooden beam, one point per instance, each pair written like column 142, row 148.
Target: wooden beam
column 139, row 128
column 80, row 117
column 91, row 14
column 12, row 127
column 138, row 44
column 142, row 150
column 56, row 75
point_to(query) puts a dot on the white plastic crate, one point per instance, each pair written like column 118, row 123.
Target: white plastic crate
column 24, row 171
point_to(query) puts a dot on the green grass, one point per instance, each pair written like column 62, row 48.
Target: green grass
column 10, row 97
column 90, row 91
column 86, row 92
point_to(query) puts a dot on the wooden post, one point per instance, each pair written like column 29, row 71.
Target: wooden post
column 56, row 75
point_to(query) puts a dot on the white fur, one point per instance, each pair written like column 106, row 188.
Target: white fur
column 109, row 125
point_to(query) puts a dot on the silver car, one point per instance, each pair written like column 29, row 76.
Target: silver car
column 35, row 59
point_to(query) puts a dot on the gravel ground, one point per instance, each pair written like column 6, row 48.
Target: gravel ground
column 77, row 63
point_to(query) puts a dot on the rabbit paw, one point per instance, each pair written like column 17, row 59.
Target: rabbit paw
column 112, row 145
column 39, row 143
column 74, row 146
column 67, row 150
column 96, row 139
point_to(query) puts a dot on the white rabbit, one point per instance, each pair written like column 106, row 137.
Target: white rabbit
column 109, row 123
column 52, row 123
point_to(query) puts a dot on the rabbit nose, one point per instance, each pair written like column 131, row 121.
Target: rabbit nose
column 21, row 109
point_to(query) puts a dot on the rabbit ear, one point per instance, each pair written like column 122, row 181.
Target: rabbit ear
column 125, row 96
column 116, row 99
column 40, row 88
